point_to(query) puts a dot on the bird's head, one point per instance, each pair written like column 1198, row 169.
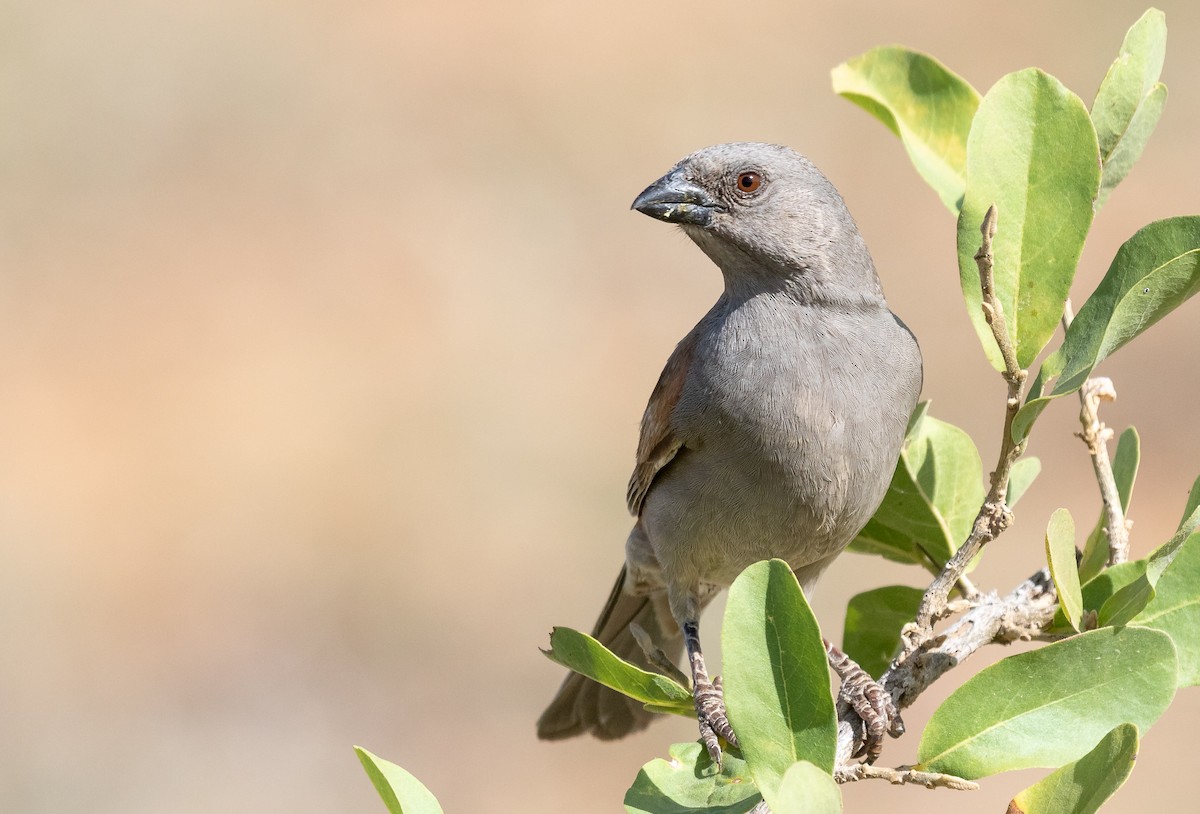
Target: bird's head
column 768, row 217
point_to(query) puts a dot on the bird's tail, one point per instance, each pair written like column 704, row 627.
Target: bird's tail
column 581, row 704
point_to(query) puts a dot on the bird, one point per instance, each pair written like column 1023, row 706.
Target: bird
column 772, row 432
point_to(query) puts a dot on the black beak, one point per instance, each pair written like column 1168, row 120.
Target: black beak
column 676, row 200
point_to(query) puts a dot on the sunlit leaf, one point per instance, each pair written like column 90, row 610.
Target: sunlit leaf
column 583, row 654
column 1161, row 557
column 1082, row 786
column 1060, row 554
column 776, row 676
column 1154, row 272
column 688, row 783
column 401, row 792
column 923, row 102
column 1021, row 477
column 935, row 493
column 1127, row 602
column 1175, row 609
column 1131, row 99
column 1077, row 689
column 1100, row 589
column 1190, row 517
column 807, row 790
column 1032, row 152
column 1130, row 600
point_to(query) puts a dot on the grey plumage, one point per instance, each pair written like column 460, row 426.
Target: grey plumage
column 776, row 424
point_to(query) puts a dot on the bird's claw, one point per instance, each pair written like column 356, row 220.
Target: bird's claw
column 875, row 707
column 873, row 704
column 714, row 720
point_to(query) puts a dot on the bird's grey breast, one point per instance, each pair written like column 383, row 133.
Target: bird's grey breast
column 774, row 382
column 792, row 418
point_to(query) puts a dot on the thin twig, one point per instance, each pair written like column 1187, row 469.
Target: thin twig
column 1096, row 435
column 994, row 515
column 901, row 775
column 993, row 311
column 898, row 776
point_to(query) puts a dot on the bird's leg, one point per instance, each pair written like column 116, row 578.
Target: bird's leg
column 869, row 700
column 710, row 705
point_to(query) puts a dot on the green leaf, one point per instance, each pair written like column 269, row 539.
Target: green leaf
column 1162, row 556
column 935, row 493
column 1154, row 272
column 1095, row 552
column 1076, row 689
column 1126, row 603
column 1060, row 554
column 1133, row 601
column 1032, row 152
column 918, row 415
column 1020, row 477
column 1130, row 600
column 689, row 783
column 1124, row 466
column 1130, row 78
column 1130, row 149
column 401, row 792
column 1175, row 609
column 583, row 654
column 897, row 546
column 1131, row 99
column 923, row 102
column 873, row 621
column 776, row 676
column 807, row 790
column 1100, row 588
column 1082, row 787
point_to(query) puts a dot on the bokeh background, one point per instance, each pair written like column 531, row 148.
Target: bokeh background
column 325, row 333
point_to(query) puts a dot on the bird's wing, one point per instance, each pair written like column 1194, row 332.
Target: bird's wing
column 658, row 443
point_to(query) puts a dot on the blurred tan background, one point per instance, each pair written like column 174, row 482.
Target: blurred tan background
column 326, row 330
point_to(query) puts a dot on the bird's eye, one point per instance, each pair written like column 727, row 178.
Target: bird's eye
column 749, row 182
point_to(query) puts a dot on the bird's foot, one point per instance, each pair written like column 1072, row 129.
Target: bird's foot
column 869, row 700
column 714, row 721
column 707, row 695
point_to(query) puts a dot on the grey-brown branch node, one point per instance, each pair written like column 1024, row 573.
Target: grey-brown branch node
column 1096, row 436
column 1020, row 616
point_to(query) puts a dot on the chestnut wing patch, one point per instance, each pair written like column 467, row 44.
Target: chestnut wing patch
column 658, row 444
